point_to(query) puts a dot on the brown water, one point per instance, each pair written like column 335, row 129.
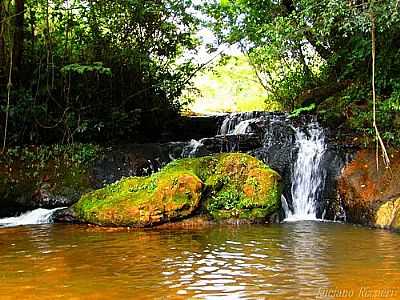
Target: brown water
column 304, row 260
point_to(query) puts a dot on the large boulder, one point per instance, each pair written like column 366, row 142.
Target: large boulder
column 242, row 187
column 225, row 186
column 139, row 202
column 369, row 194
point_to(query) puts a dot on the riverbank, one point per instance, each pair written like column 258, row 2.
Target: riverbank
column 345, row 183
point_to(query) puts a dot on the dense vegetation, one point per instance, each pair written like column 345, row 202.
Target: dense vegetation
column 92, row 70
column 311, row 51
column 99, row 70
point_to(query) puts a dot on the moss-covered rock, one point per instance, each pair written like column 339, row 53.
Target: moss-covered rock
column 242, row 187
column 224, row 186
column 140, row 202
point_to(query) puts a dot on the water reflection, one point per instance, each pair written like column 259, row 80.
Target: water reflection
column 289, row 261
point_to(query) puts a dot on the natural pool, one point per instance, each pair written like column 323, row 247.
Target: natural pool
column 300, row 260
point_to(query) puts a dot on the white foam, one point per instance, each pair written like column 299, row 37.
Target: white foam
column 37, row 216
column 308, row 178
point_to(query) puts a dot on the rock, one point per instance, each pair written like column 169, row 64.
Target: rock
column 66, row 215
column 365, row 191
column 57, row 176
column 222, row 144
column 388, row 215
column 225, row 186
column 142, row 202
column 133, row 160
column 193, row 127
column 242, row 187
column 330, row 206
column 52, row 183
column 44, row 198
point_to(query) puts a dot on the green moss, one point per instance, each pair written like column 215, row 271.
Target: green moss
column 137, row 201
column 243, row 187
column 226, row 186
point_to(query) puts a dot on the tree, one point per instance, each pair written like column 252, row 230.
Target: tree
column 311, row 51
column 3, row 57
column 95, row 68
column 18, row 45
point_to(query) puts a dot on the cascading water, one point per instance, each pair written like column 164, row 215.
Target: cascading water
column 303, row 146
column 37, row 216
column 192, row 148
column 296, row 148
column 308, row 177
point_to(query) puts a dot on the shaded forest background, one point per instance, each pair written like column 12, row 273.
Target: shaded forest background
column 101, row 71
column 92, row 70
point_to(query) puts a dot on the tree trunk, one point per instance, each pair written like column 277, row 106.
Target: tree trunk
column 18, row 47
column 3, row 58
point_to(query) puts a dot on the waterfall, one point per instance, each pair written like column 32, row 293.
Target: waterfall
column 294, row 148
column 308, row 177
column 191, row 150
column 37, row 216
column 237, row 123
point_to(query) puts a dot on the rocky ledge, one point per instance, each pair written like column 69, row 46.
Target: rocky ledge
column 223, row 187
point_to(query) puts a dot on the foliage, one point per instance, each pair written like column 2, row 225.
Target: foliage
column 94, row 70
column 351, row 110
column 99, row 70
column 299, row 111
column 77, row 154
column 230, row 85
column 225, row 200
column 298, row 46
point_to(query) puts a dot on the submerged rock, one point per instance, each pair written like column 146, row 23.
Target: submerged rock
column 370, row 194
column 225, row 186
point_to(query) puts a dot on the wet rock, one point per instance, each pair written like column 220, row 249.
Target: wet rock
column 366, row 190
column 193, row 127
column 225, row 186
column 44, row 198
column 222, row 144
column 330, row 205
column 66, row 215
